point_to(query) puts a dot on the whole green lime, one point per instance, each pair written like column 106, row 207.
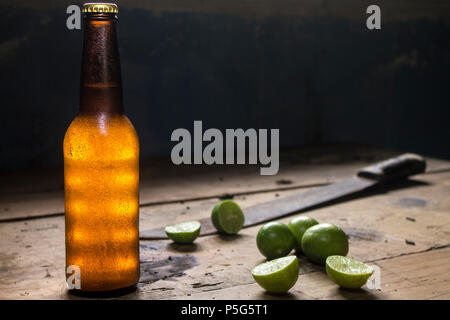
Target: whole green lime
column 275, row 240
column 324, row 240
column 298, row 227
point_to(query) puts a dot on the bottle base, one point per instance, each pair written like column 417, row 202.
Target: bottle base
column 103, row 294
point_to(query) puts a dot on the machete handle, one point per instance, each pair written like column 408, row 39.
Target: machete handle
column 397, row 168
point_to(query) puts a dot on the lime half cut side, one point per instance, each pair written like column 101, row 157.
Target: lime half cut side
column 347, row 272
column 185, row 232
column 227, row 217
column 277, row 276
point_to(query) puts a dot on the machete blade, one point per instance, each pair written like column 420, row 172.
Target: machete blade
column 281, row 207
column 389, row 170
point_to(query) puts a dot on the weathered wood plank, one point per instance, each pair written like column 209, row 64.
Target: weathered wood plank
column 422, row 275
column 32, row 252
column 34, row 193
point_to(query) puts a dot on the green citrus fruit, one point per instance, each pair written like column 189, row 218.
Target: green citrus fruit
column 185, row 232
column 227, row 217
column 298, row 227
column 324, row 240
column 275, row 240
column 277, row 275
column 347, row 272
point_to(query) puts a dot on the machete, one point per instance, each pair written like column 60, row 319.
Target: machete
column 386, row 171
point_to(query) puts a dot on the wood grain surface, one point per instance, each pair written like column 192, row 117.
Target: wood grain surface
column 404, row 230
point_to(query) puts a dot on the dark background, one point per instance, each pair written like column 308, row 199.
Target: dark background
column 308, row 67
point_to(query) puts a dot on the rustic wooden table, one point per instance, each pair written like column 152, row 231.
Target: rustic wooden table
column 404, row 230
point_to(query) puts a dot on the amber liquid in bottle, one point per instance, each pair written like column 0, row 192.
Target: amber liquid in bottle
column 101, row 169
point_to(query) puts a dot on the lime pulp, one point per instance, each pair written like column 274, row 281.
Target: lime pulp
column 277, row 275
column 347, row 272
column 185, row 232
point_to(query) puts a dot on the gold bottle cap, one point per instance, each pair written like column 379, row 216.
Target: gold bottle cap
column 99, row 7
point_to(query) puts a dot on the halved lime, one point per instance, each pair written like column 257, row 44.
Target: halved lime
column 298, row 226
column 185, row 232
column 227, row 217
column 275, row 240
column 278, row 275
column 348, row 272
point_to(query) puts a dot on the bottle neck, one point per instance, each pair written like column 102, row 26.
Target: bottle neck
column 101, row 84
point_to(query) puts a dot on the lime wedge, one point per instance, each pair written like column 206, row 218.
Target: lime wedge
column 347, row 272
column 185, row 232
column 227, row 217
column 277, row 275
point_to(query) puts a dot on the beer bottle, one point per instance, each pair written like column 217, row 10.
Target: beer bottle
column 101, row 167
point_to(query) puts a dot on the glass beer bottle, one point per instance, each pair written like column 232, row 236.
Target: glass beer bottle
column 101, row 166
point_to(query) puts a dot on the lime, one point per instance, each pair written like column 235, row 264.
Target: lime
column 348, row 272
column 278, row 275
column 324, row 240
column 227, row 217
column 298, row 227
column 275, row 240
column 185, row 232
